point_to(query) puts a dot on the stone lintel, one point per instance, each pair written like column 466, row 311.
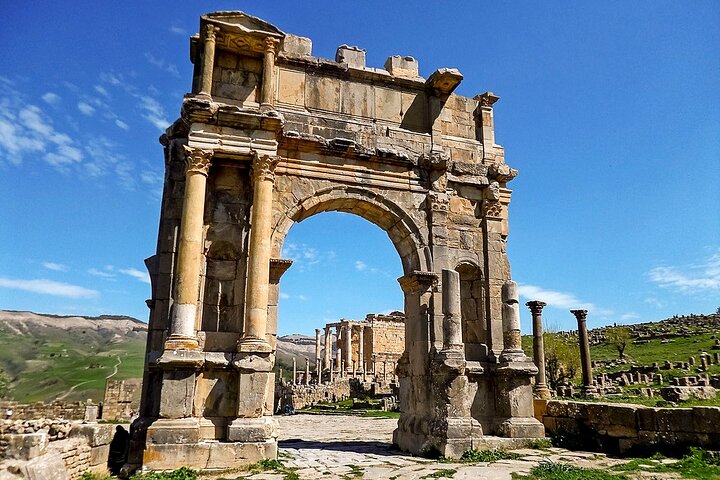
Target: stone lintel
column 174, row 431
column 218, row 360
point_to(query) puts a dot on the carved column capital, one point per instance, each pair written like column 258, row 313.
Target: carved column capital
column 487, row 99
column 418, row 282
column 536, row 306
column 580, row 315
column 211, row 33
column 271, row 45
column 263, row 167
column 197, row 160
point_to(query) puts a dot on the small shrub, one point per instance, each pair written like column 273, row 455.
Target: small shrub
column 563, row 471
column 444, row 473
column 474, row 456
column 182, row 473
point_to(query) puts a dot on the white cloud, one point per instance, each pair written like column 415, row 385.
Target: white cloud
column 162, row 64
column 57, row 267
column 178, row 30
column 102, row 274
column 137, row 274
column 360, row 266
column 48, row 287
column 153, row 112
column 561, row 300
column 121, row 124
column 284, row 296
column 86, row 108
column 51, row 98
column 697, row 278
column 35, row 119
column 101, row 90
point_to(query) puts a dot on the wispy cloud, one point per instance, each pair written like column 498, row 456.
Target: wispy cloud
column 287, row 296
column 562, row 300
column 137, row 274
column 102, row 91
column 178, row 30
column 153, row 112
column 86, row 108
column 51, row 98
column 701, row 277
column 106, row 273
column 162, row 64
column 57, row 267
column 360, row 265
column 48, row 287
column 121, row 124
column 306, row 257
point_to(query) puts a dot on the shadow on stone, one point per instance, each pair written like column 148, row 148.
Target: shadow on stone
column 356, row 446
column 118, row 450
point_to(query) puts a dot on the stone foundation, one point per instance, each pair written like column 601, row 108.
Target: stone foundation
column 630, row 429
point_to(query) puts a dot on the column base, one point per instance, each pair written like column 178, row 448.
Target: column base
column 254, row 345
column 542, row 391
column 252, row 429
column 522, row 428
column 181, row 342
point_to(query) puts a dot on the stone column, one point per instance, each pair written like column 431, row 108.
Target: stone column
column 328, row 348
column 541, row 388
column 268, row 87
column 361, row 349
column 338, row 351
column 452, row 326
column 294, row 379
column 263, row 173
column 348, row 347
column 189, row 262
column 332, row 374
column 581, row 316
column 512, row 339
column 208, row 59
column 318, row 351
column 307, row 371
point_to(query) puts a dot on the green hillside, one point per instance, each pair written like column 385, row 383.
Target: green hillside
column 71, row 363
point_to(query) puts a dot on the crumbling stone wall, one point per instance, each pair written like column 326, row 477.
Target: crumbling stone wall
column 301, row 396
column 630, row 429
column 55, row 449
column 58, row 409
column 122, row 399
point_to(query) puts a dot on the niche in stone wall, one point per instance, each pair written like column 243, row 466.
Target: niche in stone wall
column 472, row 297
column 221, row 305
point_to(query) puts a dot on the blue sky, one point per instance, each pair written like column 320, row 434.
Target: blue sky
column 611, row 113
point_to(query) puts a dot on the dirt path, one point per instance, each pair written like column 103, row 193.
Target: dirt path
column 115, row 368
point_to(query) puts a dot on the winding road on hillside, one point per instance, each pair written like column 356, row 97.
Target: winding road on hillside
column 72, row 389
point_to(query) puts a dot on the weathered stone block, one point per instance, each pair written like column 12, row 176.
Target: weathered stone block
column 25, row 446
column 47, row 467
column 297, row 45
column 399, row 66
column 96, row 434
column 354, row 57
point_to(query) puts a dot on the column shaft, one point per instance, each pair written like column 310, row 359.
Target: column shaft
column 328, row 348
column 581, row 316
column 452, row 327
column 361, row 348
column 541, row 388
column 208, row 59
column 268, row 79
column 182, row 324
column 348, row 347
column 259, row 255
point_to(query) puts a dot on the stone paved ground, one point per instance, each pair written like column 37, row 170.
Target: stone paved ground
column 343, row 447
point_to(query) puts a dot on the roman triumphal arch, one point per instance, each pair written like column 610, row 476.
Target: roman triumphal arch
column 271, row 135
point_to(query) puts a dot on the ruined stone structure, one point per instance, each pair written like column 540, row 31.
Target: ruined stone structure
column 370, row 347
column 121, row 399
column 271, row 135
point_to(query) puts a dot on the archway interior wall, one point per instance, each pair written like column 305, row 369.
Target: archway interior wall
column 399, row 150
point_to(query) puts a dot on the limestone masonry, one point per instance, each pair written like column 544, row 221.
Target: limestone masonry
column 271, row 135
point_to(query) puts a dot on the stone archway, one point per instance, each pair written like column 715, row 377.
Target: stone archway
column 270, row 136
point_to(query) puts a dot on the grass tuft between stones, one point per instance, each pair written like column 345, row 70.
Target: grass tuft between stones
column 564, row 471
column 476, row 456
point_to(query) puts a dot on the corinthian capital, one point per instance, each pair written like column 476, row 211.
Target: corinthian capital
column 536, row 306
column 211, row 33
column 271, row 44
column 263, row 167
column 197, row 160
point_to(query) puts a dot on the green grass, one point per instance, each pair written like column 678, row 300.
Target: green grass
column 698, row 464
column 444, row 473
column 476, row 456
column 183, row 473
column 563, row 471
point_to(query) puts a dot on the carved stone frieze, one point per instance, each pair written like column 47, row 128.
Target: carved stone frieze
column 197, row 160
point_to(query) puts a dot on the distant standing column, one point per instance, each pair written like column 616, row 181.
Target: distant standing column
column 338, row 351
column 294, row 379
column 348, row 348
column 361, row 349
column 268, row 78
column 581, row 316
column 541, row 388
column 317, row 351
column 307, row 371
column 328, row 348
